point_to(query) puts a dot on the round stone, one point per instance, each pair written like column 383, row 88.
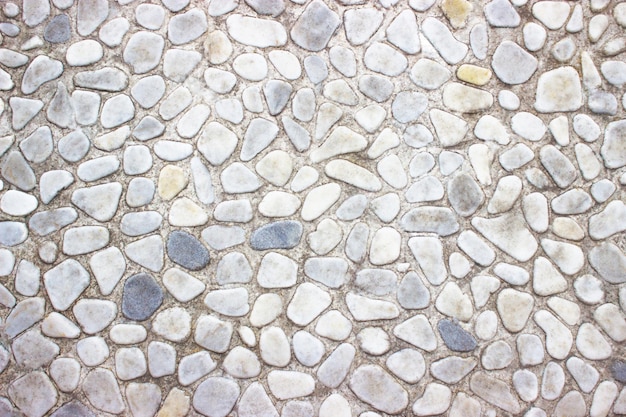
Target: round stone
column 187, row 251
column 141, row 298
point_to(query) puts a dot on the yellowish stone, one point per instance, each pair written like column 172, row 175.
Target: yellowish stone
column 186, row 213
column 456, row 11
column 473, row 74
column 175, row 405
column 172, row 180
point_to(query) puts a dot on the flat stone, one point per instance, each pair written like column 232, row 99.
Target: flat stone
column 230, row 302
column 186, row 27
column 612, row 152
column 591, row 344
column 455, row 337
column 112, row 33
column 213, row 334
column 512, row 64
column 495, row 392
column 514, row 308
column 508, row 233
column 307, row 348
column 418, row 332
column 237, row 178
column 261, row 33
column 437, row 220
column 464, row 195
column 609, row 261
column 223, row 237
column 58, row 29
column 143, row 51
column 300, row 310
column 116, row 111
column 216, row 396
column 363, row 382
column 501, row 13
column 99, row 201
column 384, row 59
column 551, row 13
column 33, row 393
column 277, row 271
column 181, row 285
column 25, row 314
column 450, row 49
column 178, row 64
column 558, row 337
column 452, row 369
column 553, row 381
column 41, row 70
column 259, row 135
column 85, row 239
column 141, row 298
column 104, row 79
column 435, row 400
column 334, row 369
column 450, row 129
column 187, row 251
column 90, row 15
column 92, row 351
column 612, row 323
column 428, row 251
column 429, row 74
column 376, row 87
column 464, row 99
column 277, row 235
column 173, row 324
column 290, row 384
column 568, row 95
column 103, row 392
column 315, row 26
column 326, row 237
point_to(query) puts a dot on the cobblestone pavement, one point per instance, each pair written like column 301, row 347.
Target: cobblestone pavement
column 306, row 208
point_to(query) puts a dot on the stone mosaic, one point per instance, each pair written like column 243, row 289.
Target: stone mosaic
column 306, row 208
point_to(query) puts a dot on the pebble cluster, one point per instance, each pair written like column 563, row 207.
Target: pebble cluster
column 306, row 208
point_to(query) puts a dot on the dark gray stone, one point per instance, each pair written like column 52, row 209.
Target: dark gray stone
column 187, row 251
column 58, row 29
column 376, row 87
column 618, row 369
column 412, row 293
column 73, row 409
column 279, row 235
column 277, row 94
column 455, row 338
column 315, row 26
column 142, row 297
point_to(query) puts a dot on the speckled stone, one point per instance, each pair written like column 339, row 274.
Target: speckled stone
column 187, row 251
column 141, row 298
column 455, row 337
column 278, row 235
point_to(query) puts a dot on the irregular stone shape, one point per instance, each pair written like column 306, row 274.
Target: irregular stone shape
column 237, row 179
column 559, row 90
column 216, row 396
column 512, row 64
column 497, row 355
column 141, row 298
column 85, row 239
column 147, row 252
column 450, row 49
column 33, row 393
column 277, row 271
column 251, row 31
column 278, row 235
column 452, row 369
column 231, row 302
column 514, row 308
column 300, row 310
column 335, row 368
column 591, row 344
column 377, row 388
column 104, row 79
column 24, row 110
column 65, row 282
column 559, row 339
column 187, row 251
column 435, row 399
column 508, row 232
column 99, row 201
column 24, row 315
column 366, row 309
column 465, row 195
column 612, row 151
column 495, row 392
column 15, row 170
column 315, row 26
column 609, row 318
column 41, row 70
column 143, row 51
column 501, row 13
column 418, row 332
column 412, row 293
column 428, row 251
column 439, row 220
column 376, row 87
column 609, row 261
column 213, row 334
column 185, row 27
column 31, row 350
column 73, row 409
column 455, row 337
column 403, row 32
column 342, row 140
column 331, row 272
column 569, row 258
column 384, row 59
column 465, row 99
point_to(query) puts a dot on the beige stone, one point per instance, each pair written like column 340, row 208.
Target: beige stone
column 172, row 180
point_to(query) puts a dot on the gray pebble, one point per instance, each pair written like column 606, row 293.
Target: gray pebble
column 279, row 235
column 455, row 337
column 58, row 29
column 187, row 251
column 142, row 297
